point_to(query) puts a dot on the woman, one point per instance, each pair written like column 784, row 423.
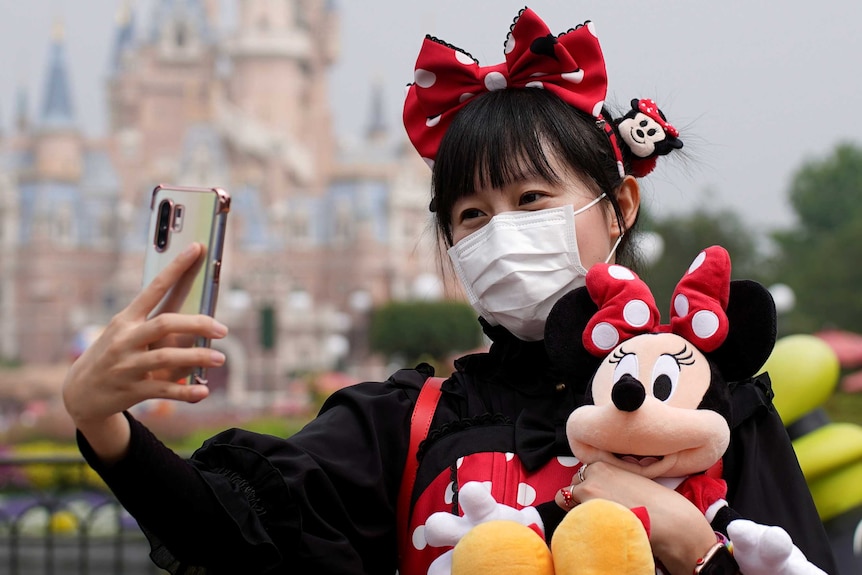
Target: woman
column 519, row 174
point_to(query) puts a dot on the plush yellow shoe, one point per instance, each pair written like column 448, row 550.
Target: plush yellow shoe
column 502, row 547
column 601, row 537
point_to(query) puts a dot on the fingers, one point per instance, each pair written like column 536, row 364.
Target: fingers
column 163, row 325
column 175, row 359
column 181, row 288
column 565, row 497
column 582, row 473
column 153, row 293
column 173, row 391
column 186, row 393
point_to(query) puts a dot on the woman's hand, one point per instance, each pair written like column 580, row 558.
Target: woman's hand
column 679, row 532
column 136, row 358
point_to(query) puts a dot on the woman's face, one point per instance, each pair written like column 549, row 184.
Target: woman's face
column 595, row 227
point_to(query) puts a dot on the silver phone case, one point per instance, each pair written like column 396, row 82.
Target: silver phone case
column 202, row 219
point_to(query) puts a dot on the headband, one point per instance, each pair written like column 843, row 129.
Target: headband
column 627, row 308
column 570, row 65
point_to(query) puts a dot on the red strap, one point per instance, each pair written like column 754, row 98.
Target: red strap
column 420, row 422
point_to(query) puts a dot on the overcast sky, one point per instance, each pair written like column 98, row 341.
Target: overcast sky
column 756, row 87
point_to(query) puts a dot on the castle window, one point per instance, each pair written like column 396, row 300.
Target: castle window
column 300, row 16
column 299, row 224
column 105, row 229
column 343, row 222
column 180, row 36
column 63, row 229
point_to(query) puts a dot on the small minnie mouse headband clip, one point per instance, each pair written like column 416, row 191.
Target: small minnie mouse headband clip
column 647, row 134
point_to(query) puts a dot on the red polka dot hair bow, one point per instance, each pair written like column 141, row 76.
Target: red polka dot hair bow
column 627, row 307
column 570, row 65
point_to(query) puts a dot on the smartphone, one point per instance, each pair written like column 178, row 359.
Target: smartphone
column 180, row 216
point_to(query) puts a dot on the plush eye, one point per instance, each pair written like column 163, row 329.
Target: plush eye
column 665, row 375
column 627, row 365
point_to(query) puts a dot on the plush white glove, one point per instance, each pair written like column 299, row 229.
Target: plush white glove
column 767, row 550
column 479, row 506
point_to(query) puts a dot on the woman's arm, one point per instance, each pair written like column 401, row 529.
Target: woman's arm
column 322, row 500
column 138, row 357
column 679, row 532
column 173, row 503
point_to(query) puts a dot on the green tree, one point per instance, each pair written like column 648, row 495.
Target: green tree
column 684, row 236
column 819, row 257
column 414, row 331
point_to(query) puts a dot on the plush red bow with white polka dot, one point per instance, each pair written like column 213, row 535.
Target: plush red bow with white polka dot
column 627, row 307
column 650, row 108
column 570, row 65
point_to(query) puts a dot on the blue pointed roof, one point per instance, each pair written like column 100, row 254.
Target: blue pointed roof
column 124, row 37
column 57, row 109
column 22, row 114
column 377, row 122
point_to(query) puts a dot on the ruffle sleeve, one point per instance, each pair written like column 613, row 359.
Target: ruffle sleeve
column 320, row 501
column 765, row 482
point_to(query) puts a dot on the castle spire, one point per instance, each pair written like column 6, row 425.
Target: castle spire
column 57, row 102
column 22, row 115
column 124, row 35
column 376, row 129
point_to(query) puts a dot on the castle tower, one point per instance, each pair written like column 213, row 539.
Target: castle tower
column 277, row 91
column 64, row 196
column 22, row 116
column 160, row 85
column 58, row 149
column 315, row 238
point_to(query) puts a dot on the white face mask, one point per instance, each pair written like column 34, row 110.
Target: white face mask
column 516, row 267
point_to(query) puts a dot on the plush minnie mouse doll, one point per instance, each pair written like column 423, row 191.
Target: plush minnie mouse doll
column 647, row 133
column 657, row 405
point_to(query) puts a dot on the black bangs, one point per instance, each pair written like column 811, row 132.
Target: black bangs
column 498, row 142
column 505, row 136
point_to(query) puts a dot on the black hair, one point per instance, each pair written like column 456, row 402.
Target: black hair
column 502, row 136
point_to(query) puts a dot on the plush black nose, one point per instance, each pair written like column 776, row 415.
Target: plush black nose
column 628, row 393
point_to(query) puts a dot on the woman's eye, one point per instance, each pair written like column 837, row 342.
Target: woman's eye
column 529, row 198
column 470, row 213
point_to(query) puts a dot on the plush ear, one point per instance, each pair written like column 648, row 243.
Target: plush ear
column 752, row 319
column 564, row 343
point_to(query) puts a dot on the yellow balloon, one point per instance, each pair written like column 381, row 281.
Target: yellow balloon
column 804, row 372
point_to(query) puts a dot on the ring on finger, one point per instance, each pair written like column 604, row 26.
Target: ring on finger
column 581, row 471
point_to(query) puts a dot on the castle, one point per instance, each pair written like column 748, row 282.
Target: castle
column 317, row 234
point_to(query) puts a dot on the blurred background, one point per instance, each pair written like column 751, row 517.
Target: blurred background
column 294, row 107
column 331, row 273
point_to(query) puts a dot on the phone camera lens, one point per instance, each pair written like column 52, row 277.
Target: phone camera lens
column 163, row 224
